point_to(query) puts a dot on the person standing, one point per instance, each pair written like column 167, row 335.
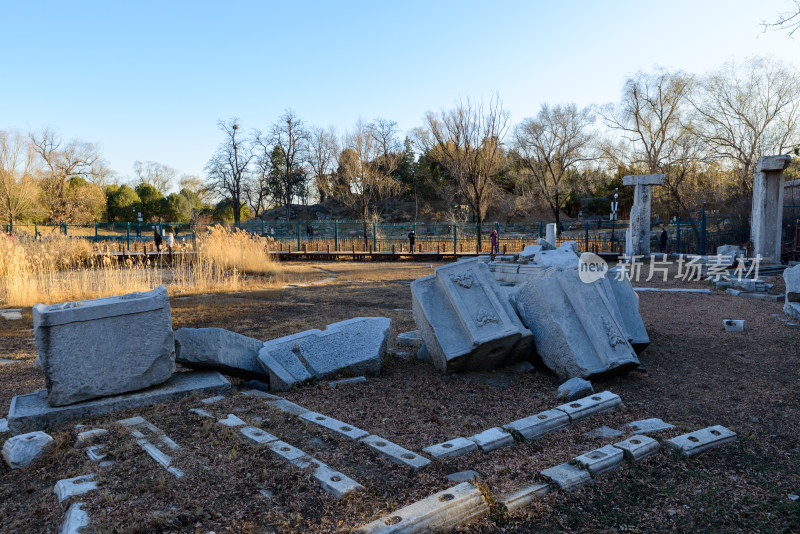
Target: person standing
column 170, row 242
column 412, row 238
column 157, row 238
column 662, row 241
column 495, row 244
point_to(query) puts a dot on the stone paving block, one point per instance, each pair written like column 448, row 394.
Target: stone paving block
column 87, row 436
column 286, row 451
column 409, row 339
column 454, row 447
column 601, row 460
column 603, row 432
column 288, row 407
column 647, row 426
column 213, row 400
column 3, row 425
column 75, row 521
column 345, row 381
column 259, row 393
column 21, row 451
column 591, row 405
column 335, row 426
column 70, row 487
column 256, row 435
column 201, row 412
column 137, row 426
column 394, row 452
column 32, row 412
column 524, row 496
column 492, row 439
column 94, row 453
column 231, row 420
column 164, row 460
column 464, row 476
column 567, row 476
column 439, row 512
column 334, row 482
column 638, row 447
column 700, row 440
column 82, row 344
column 538, row 425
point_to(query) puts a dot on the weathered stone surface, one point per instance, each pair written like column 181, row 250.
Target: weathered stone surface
column 573, row 325
column 492, row 439
column 334, row 482
column 550, row 232
column 603, row 432
column 31, row 411
column 730, row 251
column 101, row 347
column 346, row 381
column 464, row 476
column 337, row 427
column 355, row 346
column 529, row 252
column 600, row 460
column 591, row 405
column 647, row 426
column 231, row 420
column 640, row 211
column 465, row 319
column 218, row 348
column 75, row 521
column 564, row 257
column 409, row 339
column 395, row 452
column 422, row 354
column 625, row 306
column 213, row 400
column 538, row 425
column 567, row 476
column 524, row 496
column 767, row 211
column 448, row 449
column 288, row 407
column 88, row 436
column 638, row 447
column 440, row 512
column 256, row 435
column 574, row 388
column 22, row 451
column 3, row 425
column 791, row 277
column 700, row 440
column 70, row 487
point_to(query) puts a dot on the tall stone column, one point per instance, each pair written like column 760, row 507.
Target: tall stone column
column 767, row 216
column 640, row 212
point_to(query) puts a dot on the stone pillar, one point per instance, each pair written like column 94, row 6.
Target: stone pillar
column 767, row 217
column 640, row 212
column 550, row 233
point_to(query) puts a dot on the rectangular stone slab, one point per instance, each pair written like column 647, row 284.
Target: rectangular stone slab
column 646, row 426
column 286, row 451
column 440, row 512
column 256, row 435
column 538, row 425
column 567, row 476
column 107, row 346
column 334, row 482
column 337, row 427
column 395, row 452
column 700, row 440
column 32, row 412
column 591, row 405
column 69, row 487
column 492, row 439
column 287, row 406
column 601, row 460
column 638, row 447
column 448, row 449
column 524, row 496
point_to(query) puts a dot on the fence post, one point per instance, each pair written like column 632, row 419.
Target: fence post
column 374, row 237
column 35, row 230
column 128, row 236
column 678, row 236
column 541, row 229
column 336, row 236
column 298, row 235
column 64, row 226
column 95, row 231
column 703, row 232
column 262, row 227
column 586, row 238
column 455, row 237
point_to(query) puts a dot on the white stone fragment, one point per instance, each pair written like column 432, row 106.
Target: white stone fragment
column 231, row 420
column 219, row 349
column 334, row 482
column 524, row 496
column 201, row 412
column 574, row 388
column 75, row 521
column 87, row 436
column 538, row 425
column 567, row 476
column 591, row 405
column 94, row 454
column 440, row 512
column 213, row 400
column 409, row 339
column 601, row 460
column 603, row 432
column 647, row 426
column 700, row 440
column 259, row 393
column 454, row 447
column 70, row 487
column 256, row 435
column 3, row 425
column 492, row 439
column 164, row 460
column 21, row 451
column 342, row 429
column 638, row 447
column 288, row 407
column 286, row 451
column 394, row 452
column 11, row 315
column 345, row 381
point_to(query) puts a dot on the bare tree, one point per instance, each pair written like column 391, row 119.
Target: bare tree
column 468, row 140
column 365, row 178
column 286, row 151
column 62, row 163
column 743, row 113
column 384, row 132
column 552, row 145
column 156, row 174
column 788, row 21
column 258, row 190
column 18, row 167
column 228, row 168
column 323, row 152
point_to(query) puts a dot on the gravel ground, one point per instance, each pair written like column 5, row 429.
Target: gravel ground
column 694, row 375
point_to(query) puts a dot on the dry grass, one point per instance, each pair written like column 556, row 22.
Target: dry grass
column 59, row 269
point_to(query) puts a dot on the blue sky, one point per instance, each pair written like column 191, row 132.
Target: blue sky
column 150, row 80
